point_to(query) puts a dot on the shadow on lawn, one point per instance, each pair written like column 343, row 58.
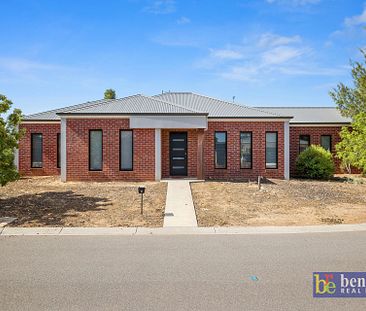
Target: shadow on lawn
column 49, row 208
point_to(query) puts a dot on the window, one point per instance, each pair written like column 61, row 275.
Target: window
column 58, row 150
column 271, row 150
column 220, row 149
column 37, row 150
column 326, row 142
column 246, row 150
column 95, row 150
column 126, row 150
column 304, row 142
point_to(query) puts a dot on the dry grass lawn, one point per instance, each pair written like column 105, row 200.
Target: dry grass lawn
column 45, row 201
column 295, row 202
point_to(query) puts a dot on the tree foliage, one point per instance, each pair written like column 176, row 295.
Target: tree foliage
column 352, row 148
column 315, row 163
column 352, row 100
column 110, row 94
column 9, row 137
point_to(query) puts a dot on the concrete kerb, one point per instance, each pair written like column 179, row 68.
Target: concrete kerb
column 142, row 231
column 98, row 231
column 175, row 231
column 31, row 231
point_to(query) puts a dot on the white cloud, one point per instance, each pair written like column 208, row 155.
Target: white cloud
column 247, row 73
column 281, row 54
column 20, row 65
column 263, row 58
column 356, row 20
column 226, row 54
column 25, row 70
column 183, row 20
column 270, row 39
column 350, row 31
column 293, row 2
column 160, row 7
column 303, row 70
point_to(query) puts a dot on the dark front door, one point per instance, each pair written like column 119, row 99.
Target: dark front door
column 178, row 153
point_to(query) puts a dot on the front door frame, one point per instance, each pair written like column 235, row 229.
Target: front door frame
column 171, row 172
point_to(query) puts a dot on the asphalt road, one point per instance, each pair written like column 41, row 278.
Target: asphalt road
column 175, row 272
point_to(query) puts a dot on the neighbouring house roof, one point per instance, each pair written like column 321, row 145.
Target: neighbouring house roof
column 216, row 108
column 311, row 115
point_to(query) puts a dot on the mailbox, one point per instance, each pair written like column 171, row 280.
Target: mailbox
column 141, row 190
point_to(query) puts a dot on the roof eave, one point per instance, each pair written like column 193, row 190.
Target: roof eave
column 250, row 117
column 320, row 123
column 133, row 114
column 40, row 120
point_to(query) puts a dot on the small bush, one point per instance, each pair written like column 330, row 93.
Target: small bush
column 315, row 163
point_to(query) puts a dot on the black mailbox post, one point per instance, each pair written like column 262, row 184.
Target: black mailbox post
column 141, row 190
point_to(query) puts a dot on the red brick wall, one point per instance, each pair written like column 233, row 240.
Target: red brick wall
column 233, row 170
column 78, row 151
column 314, row 132
column 49, row 132
column 144, row 149
column 192, row 151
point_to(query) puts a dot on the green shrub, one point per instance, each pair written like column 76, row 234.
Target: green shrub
column 315, row 163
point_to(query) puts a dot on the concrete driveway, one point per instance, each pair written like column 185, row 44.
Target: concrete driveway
column 175, row 272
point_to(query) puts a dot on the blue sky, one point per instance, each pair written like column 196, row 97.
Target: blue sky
column 264, row 52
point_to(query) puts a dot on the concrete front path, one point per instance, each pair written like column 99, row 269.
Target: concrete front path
column 179, row 209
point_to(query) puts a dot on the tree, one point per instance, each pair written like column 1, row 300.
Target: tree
column 110, row 94
column 352, row 148
column 351, row 101
column 9, row 137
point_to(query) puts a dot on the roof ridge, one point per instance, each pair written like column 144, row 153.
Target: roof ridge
column 173, row 104
column 237, row 105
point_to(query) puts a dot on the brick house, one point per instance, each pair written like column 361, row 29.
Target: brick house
column 172, row 135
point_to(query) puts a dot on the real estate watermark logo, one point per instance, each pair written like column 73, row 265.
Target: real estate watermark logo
column 339, row 284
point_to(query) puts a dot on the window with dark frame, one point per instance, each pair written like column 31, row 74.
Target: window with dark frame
column 220, row 150
column 36, row 150
column 326, row 142
column 271, row 149
column 304, row 142
column 95, row 150
column 126, row 150
column 246, row 150
column 58, row 150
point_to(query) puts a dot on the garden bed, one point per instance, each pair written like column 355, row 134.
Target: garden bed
column 45, row 201
column 280, row 203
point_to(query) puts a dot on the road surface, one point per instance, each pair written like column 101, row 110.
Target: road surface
column 225, row 272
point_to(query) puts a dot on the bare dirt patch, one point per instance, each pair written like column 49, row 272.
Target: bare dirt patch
column 279, row 202
column 45, row 201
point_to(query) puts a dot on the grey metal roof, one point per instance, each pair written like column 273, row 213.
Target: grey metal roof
column 136, row 104
column 215, row 108
column 321, row 115
column 191, row 103
column 51, row 115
